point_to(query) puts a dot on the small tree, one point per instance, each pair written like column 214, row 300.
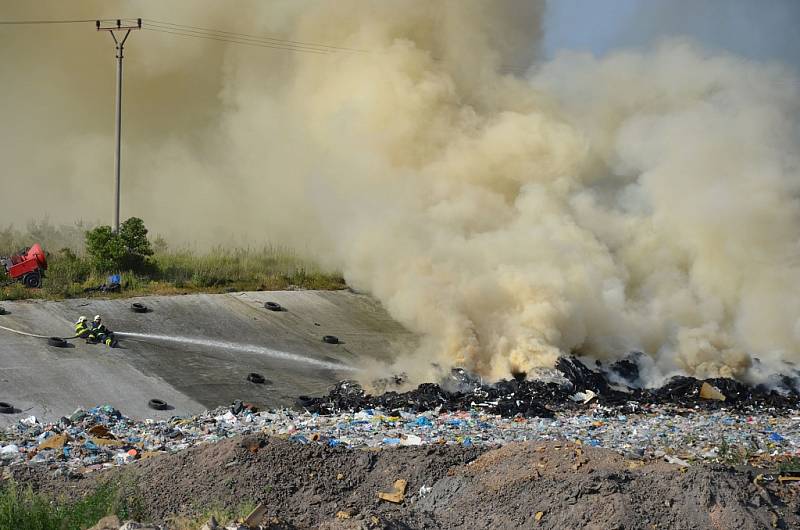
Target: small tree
column 127, row 250
column 137, row 247
column 105, row 248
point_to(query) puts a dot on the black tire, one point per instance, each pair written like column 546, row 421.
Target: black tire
column 57, row 342
column 273, row 306
column 139, row 308
column 6, row 408
column 157, row 404
column 2, row 310
column 256, row 378
column 32, row 280
column 330, row 339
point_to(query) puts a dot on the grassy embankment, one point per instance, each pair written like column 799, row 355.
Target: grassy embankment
column 169, row 271
column 23, row 509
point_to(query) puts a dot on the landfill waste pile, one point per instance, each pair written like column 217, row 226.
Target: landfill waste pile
column 687, row 424
column 684, row 421
column 574, row 384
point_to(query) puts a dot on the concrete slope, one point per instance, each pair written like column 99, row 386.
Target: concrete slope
column 192, row 351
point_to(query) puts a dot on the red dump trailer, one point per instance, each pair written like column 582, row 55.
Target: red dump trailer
column 27, row 266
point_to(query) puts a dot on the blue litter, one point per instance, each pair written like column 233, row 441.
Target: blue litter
column 775, row 437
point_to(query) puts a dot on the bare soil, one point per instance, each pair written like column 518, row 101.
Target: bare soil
column 530, row 485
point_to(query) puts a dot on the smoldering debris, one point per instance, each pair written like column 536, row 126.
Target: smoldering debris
column 581, row 385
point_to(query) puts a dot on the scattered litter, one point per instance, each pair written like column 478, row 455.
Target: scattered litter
column 102, row 437
column 751, row 424
column 711, row 392
column 256, row 516
column 398, row 493
column 676, row 460
column 583, row 397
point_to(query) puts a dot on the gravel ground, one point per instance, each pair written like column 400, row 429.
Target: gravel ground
column 530, row 484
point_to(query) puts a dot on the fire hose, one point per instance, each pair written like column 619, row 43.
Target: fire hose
column 25, row 333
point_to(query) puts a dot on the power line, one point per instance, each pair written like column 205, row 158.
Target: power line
column 232, row 37
column 259, row 37
column 30, row 22
column 269, row 42
column 258, row 45
column 266, row 41
column 244, row 39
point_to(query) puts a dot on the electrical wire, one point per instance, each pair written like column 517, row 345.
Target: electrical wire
column 253, row 40
column 187, row 27
column 30, row 22
column 235, row 41
column 272, row 40
column 232, row 37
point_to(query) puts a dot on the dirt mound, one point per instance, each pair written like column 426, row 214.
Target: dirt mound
column 570, row 486
column 546, row 485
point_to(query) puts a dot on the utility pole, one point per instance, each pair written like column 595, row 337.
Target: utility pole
column 119, row 41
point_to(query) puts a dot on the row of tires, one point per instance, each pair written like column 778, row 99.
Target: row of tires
column 159, row 404
column 274, row 306
column 155, row 404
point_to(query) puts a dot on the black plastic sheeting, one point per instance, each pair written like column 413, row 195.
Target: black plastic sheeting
column 533, row 398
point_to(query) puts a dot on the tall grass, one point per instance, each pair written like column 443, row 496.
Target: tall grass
column 169, row 271
column 50, row 236
column 23, row 509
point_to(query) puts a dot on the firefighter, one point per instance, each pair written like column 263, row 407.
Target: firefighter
column 101, row 333
column 82, row 328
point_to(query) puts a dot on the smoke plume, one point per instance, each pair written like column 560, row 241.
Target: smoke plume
column 646, row 200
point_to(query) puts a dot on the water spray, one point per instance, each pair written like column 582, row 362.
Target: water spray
column 234, row 346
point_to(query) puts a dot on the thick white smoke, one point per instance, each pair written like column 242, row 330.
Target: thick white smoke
column 645, row 201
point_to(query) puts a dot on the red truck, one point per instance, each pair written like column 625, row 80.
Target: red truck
column 27, row 266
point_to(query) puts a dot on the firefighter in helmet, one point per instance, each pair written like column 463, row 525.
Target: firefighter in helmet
column 101, row 333
column 82, row 328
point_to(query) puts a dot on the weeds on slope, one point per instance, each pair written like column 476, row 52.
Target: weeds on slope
column 23, row 509
column 168, row 271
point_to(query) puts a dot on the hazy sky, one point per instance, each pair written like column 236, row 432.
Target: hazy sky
column 759, row 29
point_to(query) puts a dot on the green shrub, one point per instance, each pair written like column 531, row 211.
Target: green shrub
column 127, row 250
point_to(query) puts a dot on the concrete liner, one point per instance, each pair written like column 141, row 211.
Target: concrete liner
column 210, row 370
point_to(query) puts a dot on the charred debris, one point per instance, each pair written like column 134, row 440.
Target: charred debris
column 608, row 387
